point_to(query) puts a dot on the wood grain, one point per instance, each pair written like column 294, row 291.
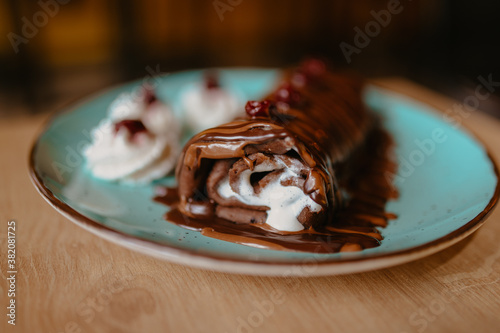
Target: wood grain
column 69, row 280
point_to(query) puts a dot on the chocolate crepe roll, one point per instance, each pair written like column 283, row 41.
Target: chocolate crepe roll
column 280, row 167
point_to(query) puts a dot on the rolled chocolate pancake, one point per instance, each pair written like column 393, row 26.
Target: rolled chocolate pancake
column 279, row 168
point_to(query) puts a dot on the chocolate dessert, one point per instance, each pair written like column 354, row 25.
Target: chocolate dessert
column 306, row 170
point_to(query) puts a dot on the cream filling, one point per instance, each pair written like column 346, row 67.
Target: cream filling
column 285, row 202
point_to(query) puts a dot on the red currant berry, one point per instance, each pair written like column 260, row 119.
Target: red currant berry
column 132, row 126
column 287, row 94
column 211, row 80
column 149, row 96
column 258, row 108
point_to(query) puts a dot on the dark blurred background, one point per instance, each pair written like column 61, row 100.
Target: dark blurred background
column 54, row 51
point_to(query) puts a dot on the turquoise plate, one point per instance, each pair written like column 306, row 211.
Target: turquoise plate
column 447, row 182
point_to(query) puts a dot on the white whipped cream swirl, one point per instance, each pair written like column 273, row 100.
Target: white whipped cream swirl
column 119, row 154
column 209, row 107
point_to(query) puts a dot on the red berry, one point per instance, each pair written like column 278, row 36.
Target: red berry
column 313, row 67
column 211, row 80
column 258, row 108
column 287, row 94
column 132, row 126
column 309, row 71
column 149, row 95
column 299, row 79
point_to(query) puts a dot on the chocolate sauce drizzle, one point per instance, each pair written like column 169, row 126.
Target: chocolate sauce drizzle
column 341, row 144
column 352, row 228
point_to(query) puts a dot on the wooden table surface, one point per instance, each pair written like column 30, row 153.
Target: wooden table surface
column 69, row 280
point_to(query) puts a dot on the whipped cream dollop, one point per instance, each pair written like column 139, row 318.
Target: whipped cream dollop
column 137, row 142
column 285, row 202
column 207, row 104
